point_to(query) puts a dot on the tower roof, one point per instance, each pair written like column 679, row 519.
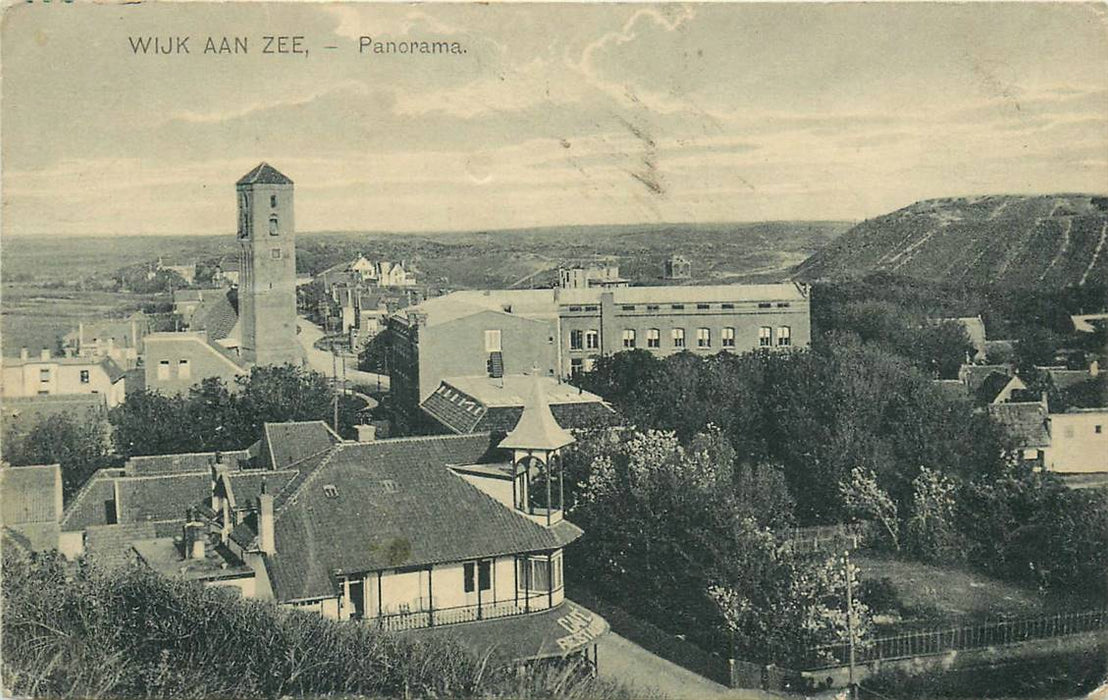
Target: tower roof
column 264, row 174
column 537, row 429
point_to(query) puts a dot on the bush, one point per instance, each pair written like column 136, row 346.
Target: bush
column 132, row 633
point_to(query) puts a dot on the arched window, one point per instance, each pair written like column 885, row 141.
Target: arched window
column 273, row 225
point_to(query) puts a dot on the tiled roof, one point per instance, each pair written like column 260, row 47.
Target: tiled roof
column 148, row 498
column 392, row 504
column 1026, row 423
column 31, row 494
column 286, row 444
column 571, row 416
column 1065, row 378
column 110, row 545
column 88, row 507
column 975, row 375
column 991, row 387
column 264, row 174
column 151, row 465
column 217, row 315
column 114, row 371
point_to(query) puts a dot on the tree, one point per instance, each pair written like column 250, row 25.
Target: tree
column 930, row 532
column 80, row 447
column 778, row 607
column 864, row 499
column 150, row 423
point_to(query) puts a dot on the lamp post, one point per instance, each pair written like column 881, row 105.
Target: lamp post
column 850, row 625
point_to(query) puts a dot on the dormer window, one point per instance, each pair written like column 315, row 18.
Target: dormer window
column 273, row 225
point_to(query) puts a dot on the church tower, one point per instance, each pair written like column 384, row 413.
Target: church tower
column 267, row 281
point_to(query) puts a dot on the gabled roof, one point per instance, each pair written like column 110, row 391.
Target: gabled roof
column 975, row 375
column 287, row 444
column 995, row 383
column 31, row 494
column 113, row 370
column 1027, row 423
column 264, row 174
column 537, row 428
column 391, row 504
column 483, row 404
column 1063, row 378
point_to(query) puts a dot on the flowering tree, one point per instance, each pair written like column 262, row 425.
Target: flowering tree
column 783, row 608
column 930, row 527
column 864, row 498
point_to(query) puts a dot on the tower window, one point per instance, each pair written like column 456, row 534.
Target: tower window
column 273, row 201
column 273, row 225
column 275, row 253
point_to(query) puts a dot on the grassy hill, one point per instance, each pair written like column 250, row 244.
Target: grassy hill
column 1013, row 240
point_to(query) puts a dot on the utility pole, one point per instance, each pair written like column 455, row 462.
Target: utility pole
column 850, row 624
column 334, row 387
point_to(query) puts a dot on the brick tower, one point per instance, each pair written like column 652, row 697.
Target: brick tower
column 267, row 282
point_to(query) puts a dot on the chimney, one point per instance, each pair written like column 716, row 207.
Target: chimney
column 193, row 536
column 45, row 353
column 366, row 433
column 265, row 522
column 23, row 354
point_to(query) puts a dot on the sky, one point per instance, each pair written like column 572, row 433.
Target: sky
column 553, row 115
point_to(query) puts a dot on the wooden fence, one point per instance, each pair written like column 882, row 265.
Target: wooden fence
column 939, row 641
column 827, row 538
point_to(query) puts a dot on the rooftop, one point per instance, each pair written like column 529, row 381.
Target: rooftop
column 537, row 428
column 31, row 494
column 163, row 555
column 394, row 503
column 483, row 404
column 264, row 174
column 1026, row 423
column 545, row 303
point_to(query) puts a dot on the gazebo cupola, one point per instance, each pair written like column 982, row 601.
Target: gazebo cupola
column 536, row 442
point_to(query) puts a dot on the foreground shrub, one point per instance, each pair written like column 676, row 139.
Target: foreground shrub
column 89, row 633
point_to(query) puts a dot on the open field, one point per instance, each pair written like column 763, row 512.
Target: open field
column 930, row 595
column 34, row 317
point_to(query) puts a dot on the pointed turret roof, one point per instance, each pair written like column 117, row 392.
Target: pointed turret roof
column 537, row 429
column 264, row 174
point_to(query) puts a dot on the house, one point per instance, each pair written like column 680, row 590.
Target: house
column 493, row 405
column 1028, row 425
column 31, row 505
column 390, row 274
column 187, row 270
column 582, row 276
column 677, row 267
column 1079, row 441
column 255, row 324
column 561, row 332
column 989, row 384
column 120, row 340
column 186, row 302
column 227, row 272
column 456, row 535
column 47, row 375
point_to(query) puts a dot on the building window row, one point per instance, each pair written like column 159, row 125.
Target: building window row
column 184, row 369
column 700, row 306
